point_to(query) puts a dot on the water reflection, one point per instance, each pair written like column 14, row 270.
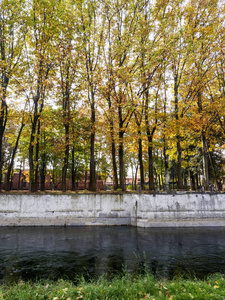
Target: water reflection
column 28, row 253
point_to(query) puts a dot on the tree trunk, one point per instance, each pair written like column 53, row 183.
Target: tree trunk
column 205, row 162
column 179, row 167
column 3, row 109
column 3, row 121
column 197, row 181
column 113, row 145
column 185, row 182
column 204, row 147
column 165, row 147
column 218, row 183
column 159, row 182
column 19, row 181
column 12, row 159
column 43, row 164
column 43, row 172
column 37, row 157
column 150, row 163
column 192, row 181
column 121, row 164
column 92, row 183
column 66, row 158
column 140, row 158
column 85, row 179
column 150, row 134
column 167, row 175
column 1, row 159
column 73, row 170
column 135, row 178
column 31, row 154
column 121, row 172
column 115, row 174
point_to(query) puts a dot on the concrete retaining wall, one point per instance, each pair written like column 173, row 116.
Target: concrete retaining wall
column 144, row 210
column 180, row 210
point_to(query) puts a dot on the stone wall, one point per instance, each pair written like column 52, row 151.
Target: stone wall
column 144, row 210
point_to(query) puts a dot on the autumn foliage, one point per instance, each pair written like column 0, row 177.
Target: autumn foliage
column 115, row 87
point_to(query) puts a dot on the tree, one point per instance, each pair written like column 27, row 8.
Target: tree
column 91, row 29
column 68, row 58
column 12, row 34
column 203, row 18
column 15, row 147
column 152, row 47
column 122, row 18
column 40, row 51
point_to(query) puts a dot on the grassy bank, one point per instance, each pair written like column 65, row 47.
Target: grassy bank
column 126, row 287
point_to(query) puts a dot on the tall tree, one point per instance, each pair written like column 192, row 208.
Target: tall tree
column 152, row 47
column 67, row 57
column 122, row 18
column 40, row 51
column 15, row 148
column 203, row 19
column 12, row 34
column 179, row 58
column 92, row 23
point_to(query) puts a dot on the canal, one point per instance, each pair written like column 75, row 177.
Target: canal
column 30, row 253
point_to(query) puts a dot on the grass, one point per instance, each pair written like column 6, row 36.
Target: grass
column 125, row 287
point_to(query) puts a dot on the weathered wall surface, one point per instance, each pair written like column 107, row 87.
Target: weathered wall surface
column 184, row 209
column 86, row 209
column 144, row 210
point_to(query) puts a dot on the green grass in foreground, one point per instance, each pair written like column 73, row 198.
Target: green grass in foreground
column 126, row 287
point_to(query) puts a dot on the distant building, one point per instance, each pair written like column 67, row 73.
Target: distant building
column 20, row 182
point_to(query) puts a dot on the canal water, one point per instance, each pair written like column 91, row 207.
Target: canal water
column 30, row 253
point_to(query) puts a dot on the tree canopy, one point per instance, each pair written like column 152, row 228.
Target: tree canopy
column 104, row 88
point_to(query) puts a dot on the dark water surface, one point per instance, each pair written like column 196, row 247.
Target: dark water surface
column 29, row 253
